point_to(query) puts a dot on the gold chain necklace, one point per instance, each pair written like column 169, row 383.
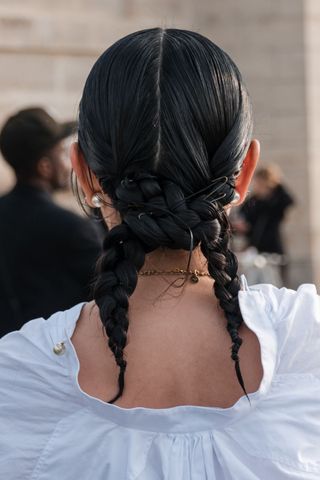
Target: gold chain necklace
column 194, row 274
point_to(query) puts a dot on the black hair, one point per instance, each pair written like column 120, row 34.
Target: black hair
column 165, row 122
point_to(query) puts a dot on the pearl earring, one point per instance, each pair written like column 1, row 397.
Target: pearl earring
column 96, row 200
column 236, row 198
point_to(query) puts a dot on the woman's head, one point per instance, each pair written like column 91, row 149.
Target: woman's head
column 165, row 126
column 168, row 102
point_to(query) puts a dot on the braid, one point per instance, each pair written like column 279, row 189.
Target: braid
column 122, row 258
column 223, row 267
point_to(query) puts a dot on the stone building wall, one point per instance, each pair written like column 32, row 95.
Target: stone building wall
column 312, row 51
column 47, row 49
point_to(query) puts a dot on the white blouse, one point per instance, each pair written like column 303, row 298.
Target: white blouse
column 50, row 429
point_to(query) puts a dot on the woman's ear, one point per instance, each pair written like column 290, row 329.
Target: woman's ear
column 247, row 170
column 89, row 183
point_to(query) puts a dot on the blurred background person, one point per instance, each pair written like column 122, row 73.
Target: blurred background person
column 259, row 220
column 47, row 253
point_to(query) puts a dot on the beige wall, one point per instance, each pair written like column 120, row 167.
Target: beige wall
column 47, row 48
column 312, row 42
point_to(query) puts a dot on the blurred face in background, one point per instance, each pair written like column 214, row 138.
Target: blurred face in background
column 57, row 166
column 262, row 188
column 265, row 182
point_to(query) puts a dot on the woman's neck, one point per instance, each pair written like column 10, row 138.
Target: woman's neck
column 166, row 260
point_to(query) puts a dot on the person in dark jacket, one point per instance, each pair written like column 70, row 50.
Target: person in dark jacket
column 47, row 253
column 262, row 214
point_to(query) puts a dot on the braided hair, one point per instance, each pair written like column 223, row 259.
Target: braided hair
column 165, row 123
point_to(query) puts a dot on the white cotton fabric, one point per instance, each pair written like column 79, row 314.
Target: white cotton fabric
column 50, row 429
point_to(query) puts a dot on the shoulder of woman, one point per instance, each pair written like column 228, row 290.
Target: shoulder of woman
column 36, row 351
column 33, row 364
column 27, row 349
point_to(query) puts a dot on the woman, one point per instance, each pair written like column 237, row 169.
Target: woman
column 179, row 382
column 260, row 220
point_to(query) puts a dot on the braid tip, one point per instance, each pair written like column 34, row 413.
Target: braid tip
column 240, row 379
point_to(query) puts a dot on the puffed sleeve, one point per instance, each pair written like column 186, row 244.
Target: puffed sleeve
column 296, row 319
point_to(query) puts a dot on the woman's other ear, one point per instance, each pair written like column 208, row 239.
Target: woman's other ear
column 89, row 183
column 247, row 170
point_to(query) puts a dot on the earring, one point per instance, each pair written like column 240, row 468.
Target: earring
column 97, row 200
column 236, row 198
